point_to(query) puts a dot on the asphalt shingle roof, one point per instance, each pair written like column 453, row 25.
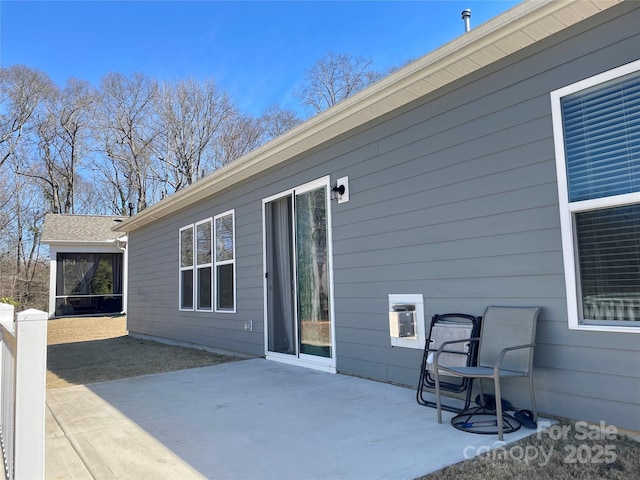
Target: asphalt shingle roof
column 79, row 228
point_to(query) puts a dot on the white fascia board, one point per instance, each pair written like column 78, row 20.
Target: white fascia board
column 518, row 28
column 82, row 247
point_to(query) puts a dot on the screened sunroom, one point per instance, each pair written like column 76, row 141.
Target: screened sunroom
column 88, row 283
column 88, row 265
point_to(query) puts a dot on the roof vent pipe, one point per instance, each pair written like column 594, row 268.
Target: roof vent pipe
column 466, row 16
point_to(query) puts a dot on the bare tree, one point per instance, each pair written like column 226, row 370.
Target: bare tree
column 22, row 89
column 333, row 78
column 60, row 127
column 191, row 113
column 5, row 198
column 22, row 266
column 46, row 165
column 275, row 121
column 111, row 187
column 239, row 135
column 126, row 126
column 73, row 114
column 22, row 93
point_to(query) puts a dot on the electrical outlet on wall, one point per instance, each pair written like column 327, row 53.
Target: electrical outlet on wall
column 248, row 325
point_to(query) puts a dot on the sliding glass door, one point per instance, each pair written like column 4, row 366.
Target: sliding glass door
column 297, row 277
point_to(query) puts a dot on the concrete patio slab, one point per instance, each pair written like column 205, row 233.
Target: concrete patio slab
column 251, row 419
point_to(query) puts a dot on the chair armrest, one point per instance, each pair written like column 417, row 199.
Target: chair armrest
column 504, row 351
column 444, row 344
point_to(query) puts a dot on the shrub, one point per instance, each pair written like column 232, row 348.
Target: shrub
column 9, row 301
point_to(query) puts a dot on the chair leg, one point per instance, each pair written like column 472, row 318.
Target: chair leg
column 533, row 398
column 483, row 402
column 467, row 400
column 438, row 402
column 496, row 381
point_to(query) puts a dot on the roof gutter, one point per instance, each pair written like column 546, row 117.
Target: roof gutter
column 518, row 28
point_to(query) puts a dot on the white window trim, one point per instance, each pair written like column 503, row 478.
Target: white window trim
column 183, row 269
column 567, row 210
column 216, row 263
column 198, row 266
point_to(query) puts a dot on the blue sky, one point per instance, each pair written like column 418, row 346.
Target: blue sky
column 257, row 51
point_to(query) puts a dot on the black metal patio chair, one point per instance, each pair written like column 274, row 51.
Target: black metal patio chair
column 446, row 327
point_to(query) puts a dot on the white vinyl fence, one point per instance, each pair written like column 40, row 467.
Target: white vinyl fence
column 23, row 370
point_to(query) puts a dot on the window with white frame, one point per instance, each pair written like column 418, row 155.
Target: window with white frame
column 225, row 297
column 186, row 268
column 596, row 125
column 205, row 269
column 204, row 266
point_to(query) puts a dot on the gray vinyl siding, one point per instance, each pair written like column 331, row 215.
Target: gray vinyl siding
column 454, row 198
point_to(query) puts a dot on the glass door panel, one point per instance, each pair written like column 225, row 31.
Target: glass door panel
column 281, row 322
column 312, row 272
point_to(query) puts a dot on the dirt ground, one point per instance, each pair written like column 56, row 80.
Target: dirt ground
column 97, row 349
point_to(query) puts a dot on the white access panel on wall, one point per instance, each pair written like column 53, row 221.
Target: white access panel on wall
column 406, row 320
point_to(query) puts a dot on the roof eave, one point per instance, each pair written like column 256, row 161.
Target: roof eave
column 518, row 28
column 79, row 242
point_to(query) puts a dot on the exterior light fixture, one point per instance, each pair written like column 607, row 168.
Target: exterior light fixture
column 337, row 191
column 340, row 190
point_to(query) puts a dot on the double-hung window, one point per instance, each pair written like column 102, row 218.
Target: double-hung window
column 225, row 262
column 207, row 265
column 186, row 268
column 596, row 125
column 203, row 266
